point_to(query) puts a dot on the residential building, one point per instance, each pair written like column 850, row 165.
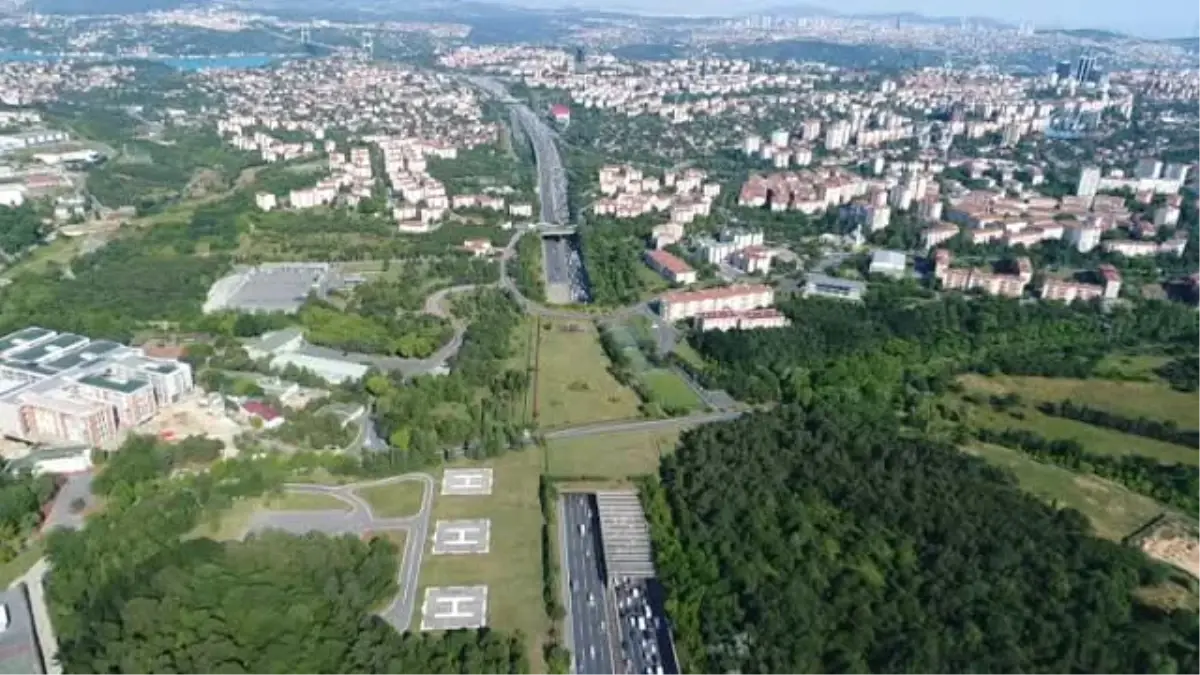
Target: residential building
column 1089, row 182
column 939, row 233
column 1149, row 169
column 753, row 259
column 671, row 268
column 681, row 305
column 1083, row 237
column 1070, row 291
column 265, row 201
column 728, row 319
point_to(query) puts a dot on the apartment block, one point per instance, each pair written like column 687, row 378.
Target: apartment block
column 727, row 319
column 687, row 304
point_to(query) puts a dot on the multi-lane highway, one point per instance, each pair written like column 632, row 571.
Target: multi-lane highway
column 586, row 602
column 552, row 177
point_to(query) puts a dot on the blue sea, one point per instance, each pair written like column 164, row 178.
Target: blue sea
column 182, row 63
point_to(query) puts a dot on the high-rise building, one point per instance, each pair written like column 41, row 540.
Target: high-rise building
column 1063, row 71
column 1089, row 182
column 1084, row 69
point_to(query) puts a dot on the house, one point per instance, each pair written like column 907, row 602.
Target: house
column 477, row 247
column 269, row 417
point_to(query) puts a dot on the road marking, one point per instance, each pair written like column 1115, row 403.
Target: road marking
column 467, row 482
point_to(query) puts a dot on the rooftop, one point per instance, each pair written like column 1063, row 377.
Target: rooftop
column 716, row 293
column 114, row 384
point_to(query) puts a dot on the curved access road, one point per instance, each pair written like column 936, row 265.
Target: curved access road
column 360, row 519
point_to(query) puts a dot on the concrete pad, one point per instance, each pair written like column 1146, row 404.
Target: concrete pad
column 454, row 607
column 467, row 482
column 456, row 537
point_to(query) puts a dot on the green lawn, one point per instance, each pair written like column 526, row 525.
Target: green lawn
column 19, row 565
column 397, row 500
column 574, row 384
column 689, row 355
column 1114, row 511
column 670, row 390
column 1095, row 439
column 1152, row 400
column 1132, row 365
column 617, row 456
column 512, row 569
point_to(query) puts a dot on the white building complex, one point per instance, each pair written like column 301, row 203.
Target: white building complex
column 66, row 388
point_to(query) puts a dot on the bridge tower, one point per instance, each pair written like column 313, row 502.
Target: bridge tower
column 305, row 35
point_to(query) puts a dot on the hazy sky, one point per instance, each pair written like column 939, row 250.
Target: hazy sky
column 1149, row 18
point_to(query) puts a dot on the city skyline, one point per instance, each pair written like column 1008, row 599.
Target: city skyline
column 1171, row 18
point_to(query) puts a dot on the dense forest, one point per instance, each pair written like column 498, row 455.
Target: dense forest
column 527, row 273
column 477, row 408
column 20, row 228
column 873, row 350
column 612, row 254
column 829, row 539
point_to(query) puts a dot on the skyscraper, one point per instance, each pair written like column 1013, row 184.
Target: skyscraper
column 1063, row 70
column 1083, row 70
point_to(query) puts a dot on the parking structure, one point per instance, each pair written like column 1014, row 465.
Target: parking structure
column 457, row 537
column 467, row 482
column 454, row 607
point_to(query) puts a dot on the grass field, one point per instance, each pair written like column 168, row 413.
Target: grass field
column 397, row 500
column 1094, row 439
column 19, row 565
column 512, row 569
column 1132, row 365
column 689, row 355
column 670, row 390
column 1114, row 511
column 573, row 381
column 616, row 456
column 1152, row 400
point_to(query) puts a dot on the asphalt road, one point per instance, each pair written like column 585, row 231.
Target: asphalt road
column 587, row 601
column 361, row 520
column 646, row 425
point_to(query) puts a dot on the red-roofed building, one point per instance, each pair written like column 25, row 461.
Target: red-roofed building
column 270, row 417
column 670, row 267
column 560, row 113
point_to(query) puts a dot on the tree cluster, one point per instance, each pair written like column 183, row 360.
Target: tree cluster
column 141, row 459
column 829, row 539
column 612, row 254
column 1174, row 484
column 24, row 499
column 1183, row 373
column 1166, row 431
column 871, row 350
column 20, row 228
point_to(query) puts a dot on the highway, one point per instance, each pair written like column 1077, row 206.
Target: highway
column 361, row 520
column 552, row 177
column 586, row 600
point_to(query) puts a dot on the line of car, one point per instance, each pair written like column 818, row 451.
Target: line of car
column 643, row 629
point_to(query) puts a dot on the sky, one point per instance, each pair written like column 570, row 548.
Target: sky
column 1145, row 18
